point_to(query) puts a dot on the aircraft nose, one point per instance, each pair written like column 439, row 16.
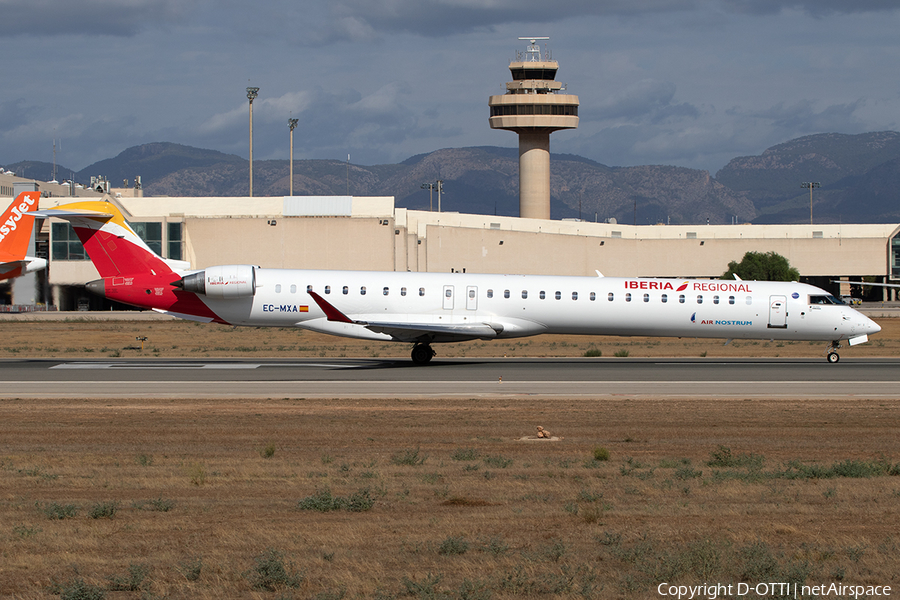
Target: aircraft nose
column 872, row 326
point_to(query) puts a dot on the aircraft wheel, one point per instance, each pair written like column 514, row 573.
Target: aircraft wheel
column 422, row 354
column 833, row 357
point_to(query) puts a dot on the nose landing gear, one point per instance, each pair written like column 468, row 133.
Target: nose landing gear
column 422, row 354
column 831, row 352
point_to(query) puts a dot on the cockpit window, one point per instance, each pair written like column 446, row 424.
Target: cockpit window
column 824, row 299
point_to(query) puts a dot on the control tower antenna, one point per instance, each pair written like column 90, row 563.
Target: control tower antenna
column 534, row 107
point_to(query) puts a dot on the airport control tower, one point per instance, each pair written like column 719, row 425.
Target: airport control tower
column 534, row 107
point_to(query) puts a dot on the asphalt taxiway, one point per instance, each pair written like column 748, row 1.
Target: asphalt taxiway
column 380, row 378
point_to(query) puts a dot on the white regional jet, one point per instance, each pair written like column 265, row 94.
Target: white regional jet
column 428, row 308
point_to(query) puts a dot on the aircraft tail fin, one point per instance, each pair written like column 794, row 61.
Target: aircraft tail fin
column 16, row 226
column 111, row 243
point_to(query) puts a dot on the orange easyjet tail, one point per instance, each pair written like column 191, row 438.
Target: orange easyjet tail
column 15, row 234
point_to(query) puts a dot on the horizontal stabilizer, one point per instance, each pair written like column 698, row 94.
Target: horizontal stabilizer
column 61, row 213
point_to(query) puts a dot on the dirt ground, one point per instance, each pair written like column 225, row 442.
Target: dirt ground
column 437, row 499
column 431, row 499
column 177, row 339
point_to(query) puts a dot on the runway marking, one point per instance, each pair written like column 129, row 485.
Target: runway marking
column 190, row 366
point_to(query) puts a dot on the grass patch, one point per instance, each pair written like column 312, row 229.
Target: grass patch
column 155, row 504
column 268, row 451
column 324, row 501
column 465, row 454
column 271, row 573
column 133, row 581
column 411, row 458
column 55, row 511
column 103, row 510
column 77, row 589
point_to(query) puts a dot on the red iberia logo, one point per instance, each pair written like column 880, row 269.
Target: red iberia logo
column 696, row 286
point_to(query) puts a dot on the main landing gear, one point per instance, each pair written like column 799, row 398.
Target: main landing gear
column 422, row 354
column 831, row 352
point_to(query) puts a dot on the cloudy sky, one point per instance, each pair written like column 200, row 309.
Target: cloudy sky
column 691, row 83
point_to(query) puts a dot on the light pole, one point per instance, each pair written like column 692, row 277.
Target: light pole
column 252, row 92
column 430, row 188
column 810, row 185
column 292, row 123
column 440, row 188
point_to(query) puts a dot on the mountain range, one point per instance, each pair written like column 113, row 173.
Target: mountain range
column 858, row 177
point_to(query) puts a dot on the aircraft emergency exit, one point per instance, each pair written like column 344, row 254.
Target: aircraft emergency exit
column 429, row 308
column 15, row 233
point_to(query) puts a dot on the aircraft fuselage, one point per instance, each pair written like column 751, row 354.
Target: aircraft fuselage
column 512, row 306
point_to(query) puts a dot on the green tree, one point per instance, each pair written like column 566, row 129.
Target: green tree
column 762, row 266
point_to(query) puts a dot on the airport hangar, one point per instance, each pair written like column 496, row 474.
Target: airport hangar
column 371, row 233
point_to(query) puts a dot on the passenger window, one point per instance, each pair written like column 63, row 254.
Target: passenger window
column 646, row 297
column 490, row 293
column 543, row 294
column 471, row 293
column 294, row 288
column 277, row 288
column 524, row 294
column 699, row 299
column 327, row 289
column 681, row 298
column 386, row 291
column 715, row 299
column 421, row 291
column 628, row 297
column 558, row 295
column 346, row 290
column 403, row 291
column 448, row 293
column 611, row 297
column 362, row 291
column 593, row 296
column 506, row 293
column 749, row 300
column 574, row 295
column 730, row 299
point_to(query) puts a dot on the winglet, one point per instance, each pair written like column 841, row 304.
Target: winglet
column 330, row 311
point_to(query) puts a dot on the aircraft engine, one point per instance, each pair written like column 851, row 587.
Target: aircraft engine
column 225, row 281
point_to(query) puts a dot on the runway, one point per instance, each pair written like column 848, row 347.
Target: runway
column 469, row 378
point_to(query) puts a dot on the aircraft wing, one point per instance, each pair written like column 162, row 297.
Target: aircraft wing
column 10, row 268
column 411, row 332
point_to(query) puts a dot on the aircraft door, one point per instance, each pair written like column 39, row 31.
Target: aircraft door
column 448, row 297
column 471, row 297
column 777, row 312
